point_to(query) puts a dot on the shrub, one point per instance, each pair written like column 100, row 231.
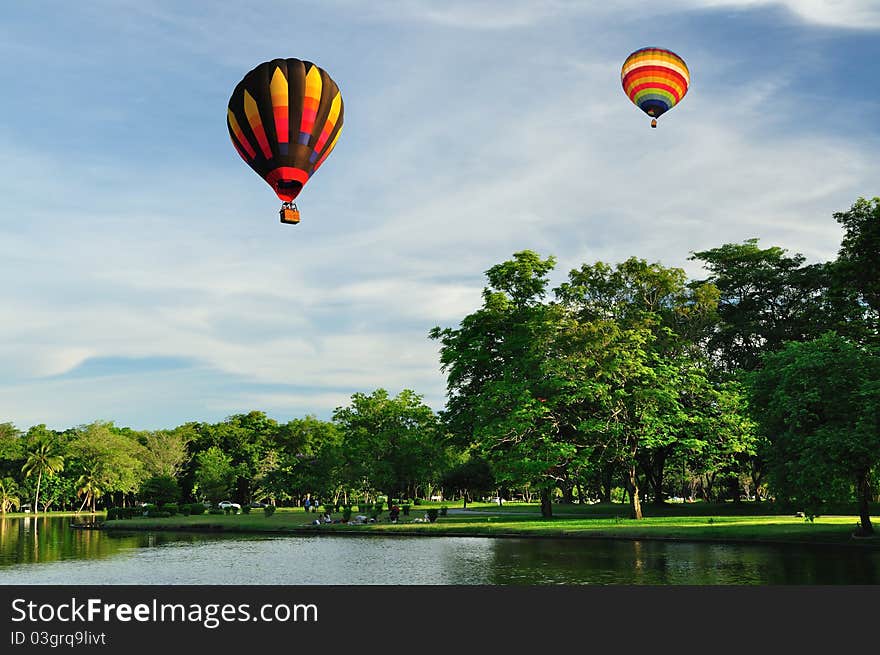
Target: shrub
column 329, row 508
column 196, row 509
column 346, row 513
column 217, row 510
column 186, row 509
column 378, row 505
column 405, row 507
column 171, row 508
column 443, row 510
column 228, row 510
column 417, row 501
column 269, row 510
column 432, row 514
column 246, row 509
column 158, row 514
column 112, row 513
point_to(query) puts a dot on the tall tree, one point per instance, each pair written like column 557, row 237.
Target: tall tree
column 857, row 269
column 767, row 297
column 388, row 442
column 42, row 459
column 819, row 404
column 500, row 391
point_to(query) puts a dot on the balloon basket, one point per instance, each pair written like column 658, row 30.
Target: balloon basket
column 289, row 213
column 654, row 122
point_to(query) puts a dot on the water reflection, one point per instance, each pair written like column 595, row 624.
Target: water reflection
column 43, row 550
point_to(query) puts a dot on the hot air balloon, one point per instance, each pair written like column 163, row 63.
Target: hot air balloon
column 284, row 119
column 655, row 80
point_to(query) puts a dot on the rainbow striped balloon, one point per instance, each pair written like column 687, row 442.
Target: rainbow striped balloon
column 655, row 80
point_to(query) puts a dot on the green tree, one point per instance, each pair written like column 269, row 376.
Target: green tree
column 857, row 270
column 767, row 298
column 818, row 403
column 42, row 459
column 160, row 490
column 499, row 382
column 388, row 443
column 88, row 487
column 110, row 456
column 165, row 452
column 9, row 498
column 215, row 474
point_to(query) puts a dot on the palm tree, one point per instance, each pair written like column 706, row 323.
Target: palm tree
column 9, row 495
column 88, row 486
column 44, row 458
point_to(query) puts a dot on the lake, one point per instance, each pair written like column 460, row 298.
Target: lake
column 46, row 550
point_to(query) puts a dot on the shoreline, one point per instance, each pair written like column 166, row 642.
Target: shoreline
column 868, row 543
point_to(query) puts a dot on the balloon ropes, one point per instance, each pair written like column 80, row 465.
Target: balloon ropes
column 284, row 119
column 655, row 80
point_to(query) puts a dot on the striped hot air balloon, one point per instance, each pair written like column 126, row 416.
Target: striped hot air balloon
column 284, row 119
column 655, row 80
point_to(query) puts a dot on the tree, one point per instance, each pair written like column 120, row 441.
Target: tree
column 215, row 474
column 160, row 490
column 9, row 498
column 767, row 298
column 111, row 457
column 638, row 327
column 165, row 452
column 42, row 459
column 857, row 269
column 499, row 386
column 818, row 403
column 88, row 486
column 388, row 444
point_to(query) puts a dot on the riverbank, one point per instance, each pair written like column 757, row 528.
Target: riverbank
column 825, row 530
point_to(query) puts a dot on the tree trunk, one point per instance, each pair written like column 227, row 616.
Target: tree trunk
column 546, row 505
column 635, row 505
column 606, row 484
column 37, row 494
column 863, row 484
column 464, row 499
column 657, row 478
column 580, row 493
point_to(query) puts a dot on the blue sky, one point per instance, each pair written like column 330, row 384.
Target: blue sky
column 147, row 280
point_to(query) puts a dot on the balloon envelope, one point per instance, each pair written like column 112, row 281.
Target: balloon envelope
column 284, row 119
column 655, row 80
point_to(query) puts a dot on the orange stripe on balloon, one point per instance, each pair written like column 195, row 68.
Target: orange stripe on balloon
column 330, row 123
column 253, row 115
column 328, row 151
column 239, row 135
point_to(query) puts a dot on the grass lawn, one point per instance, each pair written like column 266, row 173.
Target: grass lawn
column 687, row 523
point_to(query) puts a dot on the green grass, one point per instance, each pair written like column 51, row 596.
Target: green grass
column 716, row 523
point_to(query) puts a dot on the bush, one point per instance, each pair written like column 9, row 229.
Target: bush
column 196, row 509
column 443, row 510
column 217, row 510
column 405, row 507
column 329, row 508
column 378, row 505
column 246, row 509
column 158, row 514
column 269, row 510
column 112, row 513
column 171, row 508
column 432, row 514
column 346, row 513
column 417, row 501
